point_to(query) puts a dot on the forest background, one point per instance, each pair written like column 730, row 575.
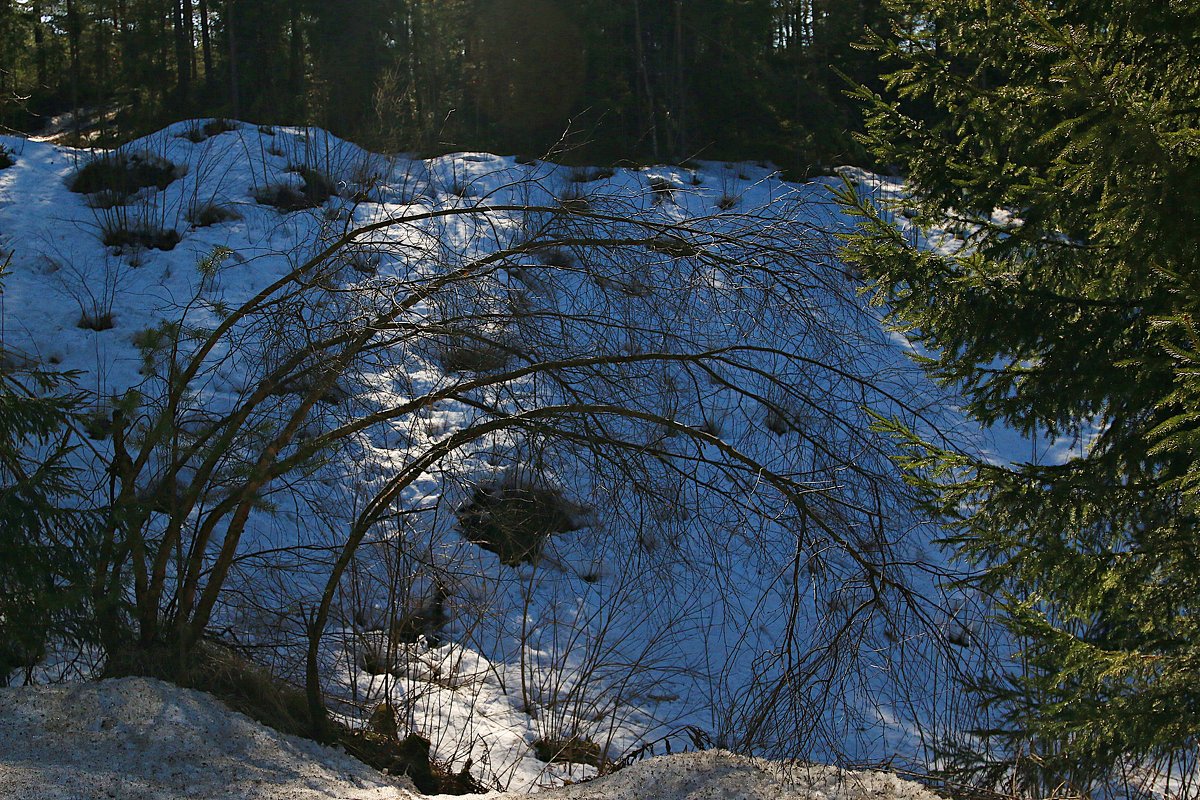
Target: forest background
column 593, row 80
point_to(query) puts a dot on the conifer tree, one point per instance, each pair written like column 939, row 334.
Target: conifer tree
column 45, row 541
column 1070, row 313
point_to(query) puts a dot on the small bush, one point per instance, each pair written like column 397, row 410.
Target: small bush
column 123, row 175
column 152, row 342
column 6, row 158
column 318, row 187
column 204, row 215
column 141, row 236
column 726, row 202
column 514, row 521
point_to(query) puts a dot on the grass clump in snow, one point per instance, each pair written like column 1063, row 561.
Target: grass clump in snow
column 317, row 188
column 471, row 352
column 514, row 520
column 661, row 189
column 198, row 133
column 123, row 175
column 572, row 750
column 140, row 237
column 215, row 127
column 204, row 215
column 96, row 321
column 574, row 200
column 381, row 747
column 589, row 174
column 6, row 158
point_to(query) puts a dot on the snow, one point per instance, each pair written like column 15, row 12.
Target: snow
column 625, row 634
column 142, row 739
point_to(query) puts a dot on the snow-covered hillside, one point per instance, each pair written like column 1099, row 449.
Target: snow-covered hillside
column 567, row 462
column 140, row 739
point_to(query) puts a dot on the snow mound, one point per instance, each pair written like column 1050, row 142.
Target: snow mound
column 142, row 739
column 719, row 775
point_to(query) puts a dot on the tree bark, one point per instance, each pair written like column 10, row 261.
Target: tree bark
column 231, row 26
column 206, row 42
column 183, row 54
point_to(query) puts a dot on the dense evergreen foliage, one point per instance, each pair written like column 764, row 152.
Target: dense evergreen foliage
column 652, row 79
column 44, row 537
column 1074, row 317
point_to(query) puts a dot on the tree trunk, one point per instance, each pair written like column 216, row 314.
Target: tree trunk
column 296, row 103
column 206, row 42
column 647, row 113
column 183, row 54
column 74, row 34
column 679, row 101
column 231, row 26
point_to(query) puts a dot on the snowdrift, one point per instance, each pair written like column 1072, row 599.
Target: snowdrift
column 141, row 739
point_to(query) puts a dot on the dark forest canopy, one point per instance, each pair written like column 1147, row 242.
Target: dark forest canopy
column 649, row 79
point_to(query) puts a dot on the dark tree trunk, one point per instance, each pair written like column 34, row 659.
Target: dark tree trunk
column 39, row 45
column 206, row 42
column 296, row 61
column 231, row 27
column 74, row 33
column 679, row 90
column 647, row 114
column 183, row 54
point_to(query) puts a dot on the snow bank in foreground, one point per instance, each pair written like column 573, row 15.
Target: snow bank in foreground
column 141, row 739
column 718, row 775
